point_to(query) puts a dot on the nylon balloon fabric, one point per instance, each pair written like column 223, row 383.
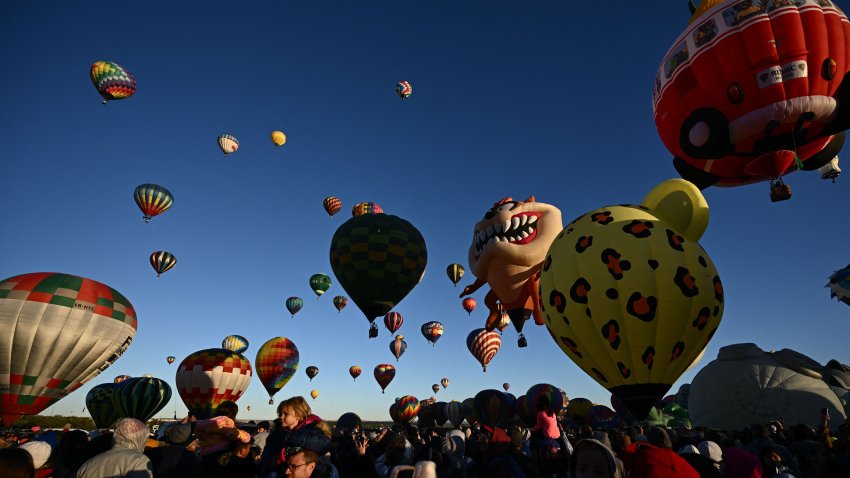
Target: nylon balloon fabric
column 141, row 397
column 112, row 81
column 276, row 363
column 208, row 377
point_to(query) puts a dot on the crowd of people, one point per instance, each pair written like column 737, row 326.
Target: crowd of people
column 300, row 444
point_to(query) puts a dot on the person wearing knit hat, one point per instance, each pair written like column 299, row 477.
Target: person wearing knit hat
column 591, row 458
column 739, row 463
column 39, row 450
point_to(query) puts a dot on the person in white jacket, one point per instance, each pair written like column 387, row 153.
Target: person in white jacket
column 125, row 459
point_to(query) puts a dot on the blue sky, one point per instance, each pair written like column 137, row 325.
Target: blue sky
column 510, row 99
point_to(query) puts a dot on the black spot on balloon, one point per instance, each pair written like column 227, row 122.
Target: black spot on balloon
column 702, row 261
column 612, row 293
column 653, row 264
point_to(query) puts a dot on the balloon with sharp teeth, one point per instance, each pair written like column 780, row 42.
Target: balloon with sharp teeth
column 228, row 143
column 340, row 302
column 455, row 273
column 332, row 205
column 760, row 116
column 468, row 305
column 162, row 261
column 508, row 247
column 112, row 81
column 153, row 200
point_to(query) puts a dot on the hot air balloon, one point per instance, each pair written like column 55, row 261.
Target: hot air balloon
column 340, row 302
column 141, row 397
column 579, row 408
column 435, row 387
column 228, row 143
column 278, row 138
column 276, row 363
column 294, row 304
column 653, row 280
column 432, row 331
column 101, row 405
column 378, row 259
column 455, row 273
column 490, row 407
column 504, row 320
column 507, row 251
column 454, row 412
column 60, row 332
column 468, row 305
column 483, row 345
column 208, row 377
column 153, row 200
column 320, row 283
column 506, row 386
column 355, row 371
column 408, row 407
column 549, row 393
column 384, row 374
column 444, row 382
column 393, row 321
column 170, row 359
column 839, row 285
column 112, row 81
column 362, row 208
column 759, row 116
column 601, row 417
column 398, row 346
column 162, row 261
column 404, row 89
column 312, row 371
column 236, row 343
column 332, row 205
column 121, row 378
column 314, row 394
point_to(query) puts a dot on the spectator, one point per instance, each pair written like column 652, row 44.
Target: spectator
column 173, row 460
column 40, row 452
column 125, row 459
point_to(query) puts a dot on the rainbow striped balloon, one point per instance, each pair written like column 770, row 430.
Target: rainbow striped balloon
column 112, row 81
column 408, row 407
column 483, row 345
column 236, row 343
column 276, row 363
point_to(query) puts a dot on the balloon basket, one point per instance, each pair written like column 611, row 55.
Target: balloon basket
column 271, row 401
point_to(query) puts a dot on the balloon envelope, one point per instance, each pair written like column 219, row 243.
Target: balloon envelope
column 152, row 199
column 228, row 143
column 340, row 302
column 408, row 407
column 403, row 89
column 355, row 371
column 141, row 397
column 236, row 343
column 112, row 81
column 398, row 346
column 839, row 285
column 332, row 205
column 432, row 331
column 60, row 331
column 483, row 345
column 294, row 304
column 276, row 363
column 320, row 283
column 162, row 261
column 278, row 138
column 208, row 377
column 314, row 394
column 455, row 273
column 468, row 305
column 100, row 402
column 384, row 374
column 489, row 407
column 312, row 371
column 393, row 321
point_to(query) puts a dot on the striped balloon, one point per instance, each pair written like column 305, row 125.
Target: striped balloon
column 398, row 346
column 408, row 407
column 276, row 363
column 112, row 81
column 393, row 321
column 153, row 200
column 444, row 382
column 483, row 345
column 294, row 304
column 432, row 331
column 340, row 302
column 455, row 273
column 228, row 143
column 332, row 205
column 170, row 359
column 208, row 377
column 404, row 89
column 366, row 208
column 384, row 374
column 100, row 402
column 236, row 343
column 454, row 412
column 142, row 397
column 162, row 261
column 355, row 371
column 121, row 378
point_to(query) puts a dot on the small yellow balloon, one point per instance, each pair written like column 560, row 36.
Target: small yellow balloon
column 278, row 138
column 314, row 394
column 682, row 205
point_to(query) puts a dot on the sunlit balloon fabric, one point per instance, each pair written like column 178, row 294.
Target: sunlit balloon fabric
column 432, row 331
column 366, row 208
column 121, row 378
column 112, row 81
column 162, row 261
column 483, row 345
column 393, row 321
column 468, row 305
column 355, row 371
column 408, row 407
column 839, row 285
column 340, row 302
column 208, row 377
column 170, row 359
column 629, row 294
column 731, row 118
column 444, row 382
column 153, row 200
column 314, row 394
column 142, row 397
column 236, row 343
column 278, row 138
column 228, row 143
column 455, row 273
column 404, row 89
column 60, row 331
column 384, row 374
column 398, row 346
column 276, row 363
column 332, row 205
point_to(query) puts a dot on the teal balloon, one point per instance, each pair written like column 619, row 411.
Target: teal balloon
column 378, row 259
column 142, row 397
column 100, row 402
column 294, row 304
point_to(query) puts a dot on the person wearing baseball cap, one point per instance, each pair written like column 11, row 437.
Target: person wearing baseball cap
column 304, row 454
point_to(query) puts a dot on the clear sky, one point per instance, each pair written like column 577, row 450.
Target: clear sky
column 550, row 98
